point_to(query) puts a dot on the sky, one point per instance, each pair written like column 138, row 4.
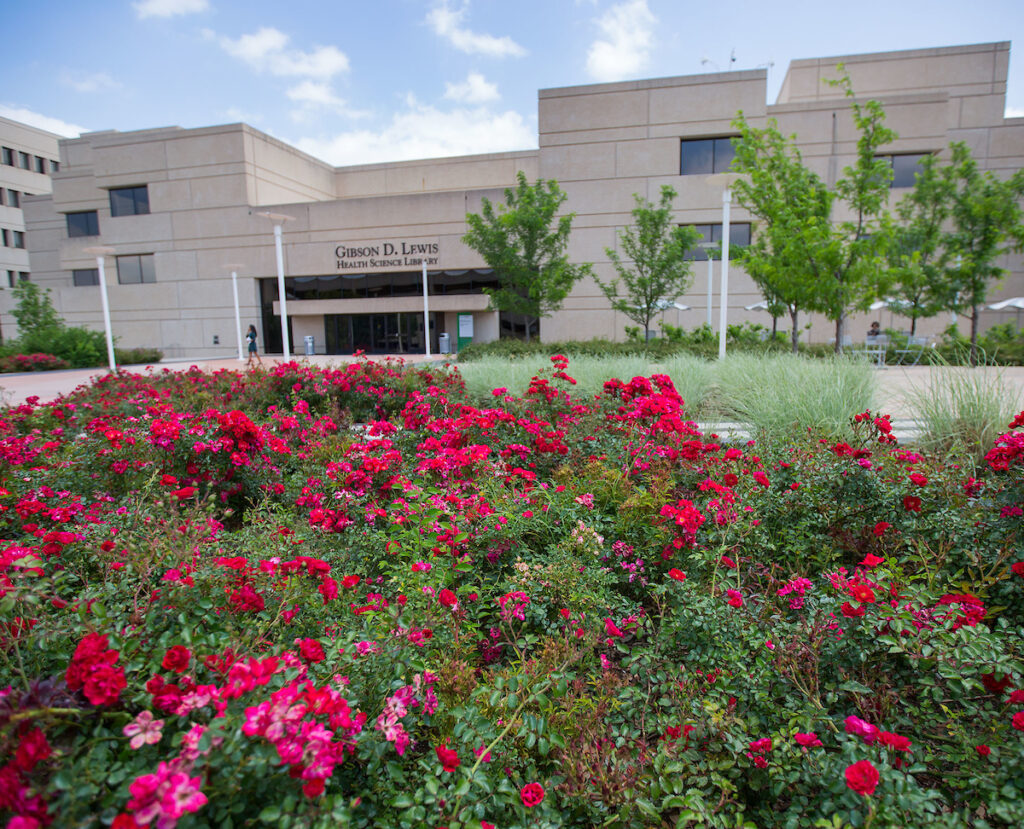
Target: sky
column 363, row 81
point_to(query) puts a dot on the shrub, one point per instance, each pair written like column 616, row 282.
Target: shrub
column 31, row 362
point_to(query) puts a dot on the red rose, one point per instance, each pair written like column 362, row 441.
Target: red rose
column 1018, row 721
column 881, row 527
column 184, row 492
column 851, row 612
column 1018, row 568
column 449, row 757
column 862, row 777
column 918, row 478
column 983, row 750
column 678, row 575
column 311, row 650
column 862, row 728
column 911, row 503
column 894, row 741
column 447, row 598
column 862, row 593
column 176, row 659
column 350, row 581
column 1017, row 696
column 871, row 560
column 32, row 748
column 531, row 794
column 104, row 685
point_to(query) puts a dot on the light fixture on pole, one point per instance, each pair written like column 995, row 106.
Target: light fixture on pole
column 426, row 311
column 279, row 219
column 707, row 247
column 99, row 252
column 233, row 267
column 727, row 180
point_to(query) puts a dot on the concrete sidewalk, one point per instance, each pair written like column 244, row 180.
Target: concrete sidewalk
column 896, row 384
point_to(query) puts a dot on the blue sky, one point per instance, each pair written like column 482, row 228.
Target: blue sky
column 382, row 80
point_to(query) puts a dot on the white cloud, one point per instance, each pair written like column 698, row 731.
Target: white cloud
column 476, row 89
column 315, row 93
column 445, row 22
column 627, row 34
column 97, row 82
column 169, row 8
column 1014, row 112
column 234, row 114
column 423, row 131
column 266, row 50
column 43, row 122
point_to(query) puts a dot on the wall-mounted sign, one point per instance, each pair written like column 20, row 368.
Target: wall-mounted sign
column 399, row 253
column 465, row 325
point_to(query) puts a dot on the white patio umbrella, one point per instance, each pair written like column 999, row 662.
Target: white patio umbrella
column 1013, row 303
column 757, row 306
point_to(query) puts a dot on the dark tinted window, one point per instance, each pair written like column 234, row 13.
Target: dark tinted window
column 82, row 277
column 54, row 166
column 13, row 198
column 8, row 157
column 40, row 165
column 739, row 237
column 904, row 168
column 131, row 270
column 129, row 201
column 703, row 156
column 24, row 161
column 18, row 239
column 83, row 224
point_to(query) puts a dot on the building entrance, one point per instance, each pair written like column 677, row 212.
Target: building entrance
column 377, row 333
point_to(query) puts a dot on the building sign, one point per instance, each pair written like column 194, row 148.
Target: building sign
column 466, row 326
column 397, row 253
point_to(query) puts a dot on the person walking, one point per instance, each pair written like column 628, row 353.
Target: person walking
column 253, row 351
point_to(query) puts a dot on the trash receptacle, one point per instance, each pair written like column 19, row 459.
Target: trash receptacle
column 444, row 343
column 310, row 342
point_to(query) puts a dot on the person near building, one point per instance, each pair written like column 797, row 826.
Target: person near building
column 253, row 350
column 874, row 331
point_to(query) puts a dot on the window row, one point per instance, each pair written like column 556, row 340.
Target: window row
column 27, row 161
column 363, row 285
column 11, row 198
column 124, row 201
column 12, row 238
column 711, row 235
column 131, row 270
column 14, row 277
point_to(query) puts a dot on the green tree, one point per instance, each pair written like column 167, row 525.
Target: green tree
column 657, row 249
column 820, row 247
column 918, row 254
column 525, row 245
column 985, row 223
column 34, row 311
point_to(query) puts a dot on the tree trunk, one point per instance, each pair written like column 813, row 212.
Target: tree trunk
column 913, row 326
column 974, row 335
column 775, row 326
column 794, row 334
column 839, row 334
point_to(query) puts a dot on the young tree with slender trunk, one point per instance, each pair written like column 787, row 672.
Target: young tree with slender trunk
column 657, row 249
column 524, row 243
column 814, row 260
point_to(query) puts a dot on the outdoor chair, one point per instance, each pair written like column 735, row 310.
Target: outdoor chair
column 914, row 349
column 874, row 349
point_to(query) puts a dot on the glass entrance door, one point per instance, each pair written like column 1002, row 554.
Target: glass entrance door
column 377, row 333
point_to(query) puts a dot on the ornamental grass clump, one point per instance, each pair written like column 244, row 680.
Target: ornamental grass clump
column 777, row 394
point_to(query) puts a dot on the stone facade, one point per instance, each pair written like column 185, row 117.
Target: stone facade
column 206, row 188
column 27, row 158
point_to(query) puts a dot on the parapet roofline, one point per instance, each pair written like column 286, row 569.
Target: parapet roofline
column 656, row 83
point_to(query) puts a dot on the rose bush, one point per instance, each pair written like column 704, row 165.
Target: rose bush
column 316, row 597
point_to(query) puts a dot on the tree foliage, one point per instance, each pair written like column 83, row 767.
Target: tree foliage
column 653, row 267
column 34, row 311
column 820, row 247
column 525, row 245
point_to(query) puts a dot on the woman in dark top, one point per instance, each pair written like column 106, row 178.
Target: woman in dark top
column 253, row 352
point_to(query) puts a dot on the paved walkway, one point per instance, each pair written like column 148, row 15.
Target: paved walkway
column 896, row 384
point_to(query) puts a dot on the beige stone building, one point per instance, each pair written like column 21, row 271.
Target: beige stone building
column 179, row 207
column 27, row 158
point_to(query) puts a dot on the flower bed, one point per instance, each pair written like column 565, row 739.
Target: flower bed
column 222, row 604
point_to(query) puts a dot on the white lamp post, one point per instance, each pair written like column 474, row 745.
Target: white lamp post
column 233, row 267
column 707, row 247
column 279, row 219
column 99, row 252
column 725, row 179
column 426, row 310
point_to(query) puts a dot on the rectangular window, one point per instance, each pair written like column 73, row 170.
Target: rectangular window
column 129, row 201
column 54, row 166
column 703, row 156
column 40, row 165
column 8, row 156
column 13, row 198
column 905, row 167
column 4, row 236
column 83, row 277
column 23, row 276
column 11, row 276
column 133, row 270
column 739, row 237
column 2, row 199
column 86, row 223
column 18, row 237
column 24, row 161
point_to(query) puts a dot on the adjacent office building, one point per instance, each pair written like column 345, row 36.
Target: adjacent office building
column 28, row 156
column 182, row 209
